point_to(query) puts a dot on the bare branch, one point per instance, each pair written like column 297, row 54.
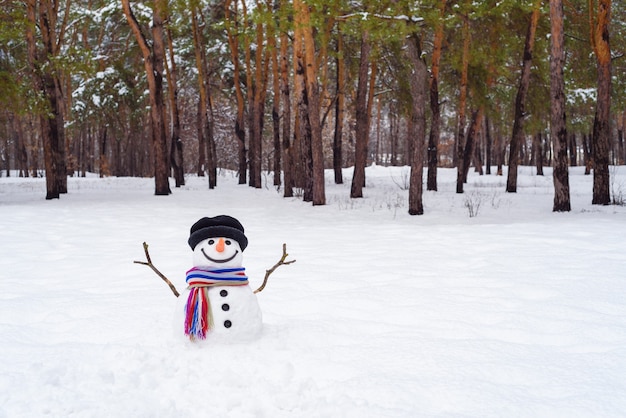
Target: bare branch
column 161, row 275
column 278, row 264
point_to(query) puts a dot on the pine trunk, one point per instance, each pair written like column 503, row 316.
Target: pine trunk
column 153, row 62
column 558, row 132
column 46, row 80
column 176, row 143
column 339, row 113
column 271, row 37
column 240, row 130
column 362, row 122
column 460, row 138
column 537, row 143
column 303, row 162
column 286, row 122
column 468, row 155
column 488, row 145
column 313, row 105
column 435, row 108
column 520, row 100
column 601, row 126
column 258, row 107
column 418, row 79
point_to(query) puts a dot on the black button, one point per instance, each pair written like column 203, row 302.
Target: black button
column 227, row 324
column 223, row 293
column 225, row 307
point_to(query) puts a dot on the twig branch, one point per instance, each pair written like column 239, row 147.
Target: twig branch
column 161, row 275
column 278, row 264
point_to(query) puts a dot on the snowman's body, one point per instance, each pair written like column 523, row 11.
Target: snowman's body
column 236, row 312
column 234, row 308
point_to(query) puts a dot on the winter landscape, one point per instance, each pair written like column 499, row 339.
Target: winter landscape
column 488, row 305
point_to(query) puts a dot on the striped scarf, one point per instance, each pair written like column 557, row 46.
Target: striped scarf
column 198, row 316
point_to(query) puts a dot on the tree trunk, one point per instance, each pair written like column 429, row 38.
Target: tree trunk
column 621, row 158
column 153, row 62
column 286, row 101
column 558, row 132
column 46, row 79
column 488, row 145
column 240, row 130
column 339, row 112
column 587, row 154
column 601, row 126
column 477, row 120
column 204, row 157
column 201, row 134
column 277, row 157
column 538, row 142
column 418, row 79
column 362, row 120
column 258, row 106
column 520, row 100
column 572, row 150
column 303, row 161
column 435, row 108
column 176, row 144
column 313, row 103
column 460, row 144
column 210, row 136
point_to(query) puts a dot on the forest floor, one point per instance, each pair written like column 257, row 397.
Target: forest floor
column 488, row 305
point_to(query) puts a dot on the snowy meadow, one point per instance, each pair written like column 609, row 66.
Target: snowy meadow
column 488, row 305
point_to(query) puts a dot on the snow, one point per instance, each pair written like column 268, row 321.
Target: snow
column 514, row 312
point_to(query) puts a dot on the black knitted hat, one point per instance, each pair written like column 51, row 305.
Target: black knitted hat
column 218, row 226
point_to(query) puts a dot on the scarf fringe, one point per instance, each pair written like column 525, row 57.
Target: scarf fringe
column 198, row 318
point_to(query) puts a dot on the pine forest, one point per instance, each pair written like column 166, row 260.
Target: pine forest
column 171, row 88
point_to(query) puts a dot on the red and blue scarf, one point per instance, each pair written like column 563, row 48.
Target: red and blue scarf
column 198, row 316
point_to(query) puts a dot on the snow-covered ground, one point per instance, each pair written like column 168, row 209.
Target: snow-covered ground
column 514, row 312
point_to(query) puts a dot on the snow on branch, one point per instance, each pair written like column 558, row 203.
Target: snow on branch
column 366, row 16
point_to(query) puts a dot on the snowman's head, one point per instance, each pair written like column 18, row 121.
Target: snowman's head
column 217, row 242
column 222, row 252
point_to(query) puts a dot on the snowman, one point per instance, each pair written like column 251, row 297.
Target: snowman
column 219, row 301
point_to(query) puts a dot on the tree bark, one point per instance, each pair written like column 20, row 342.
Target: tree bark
column 362, row 120
column 488, row 147
column 601, row 126
column 558, row 132
column 417, row 134
column 312, row 92
column 44, row 15
column 460, row 141
column 153, row 63
column 204, row 143
column 339, row 112
column 258, row 107
column 572, row 150
column 286, row 122
column 468, row 154
column 176, row 143
column 520, row 100
column 271, row 38
column 435, row 108
column 621, row 158
column 240, row 130
column 303, row 162
column 538, row 143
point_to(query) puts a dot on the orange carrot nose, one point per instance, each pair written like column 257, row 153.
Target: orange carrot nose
column 220, row 245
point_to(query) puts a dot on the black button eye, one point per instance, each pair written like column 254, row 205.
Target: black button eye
column 227, row 242
column 211, row 241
